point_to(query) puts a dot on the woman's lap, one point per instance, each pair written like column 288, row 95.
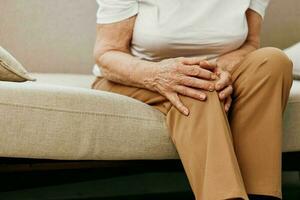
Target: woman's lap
column 261, row 87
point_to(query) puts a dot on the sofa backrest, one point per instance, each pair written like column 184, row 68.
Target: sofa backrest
column 58, row 35
column 282, row 24
column 50, row 35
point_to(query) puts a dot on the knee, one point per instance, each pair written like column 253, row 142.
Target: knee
column 276, row 63
column 211, row 104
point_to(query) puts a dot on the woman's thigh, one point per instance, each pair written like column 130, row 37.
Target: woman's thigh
column 261, row 89
column 149, row 97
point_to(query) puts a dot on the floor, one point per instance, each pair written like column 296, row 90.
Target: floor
column 110, row 185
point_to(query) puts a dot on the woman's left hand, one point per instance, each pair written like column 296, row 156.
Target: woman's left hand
column 229, row 61
column 224, row 87
column 225, row 65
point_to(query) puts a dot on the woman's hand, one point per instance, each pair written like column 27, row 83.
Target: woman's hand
column 225, row 66
column 224, row 87
column 185, row 76
column 229, row 61
column 224, row 84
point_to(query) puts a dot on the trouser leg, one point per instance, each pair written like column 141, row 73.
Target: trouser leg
column 151, row 98
column 261, row 89
column 203, row 141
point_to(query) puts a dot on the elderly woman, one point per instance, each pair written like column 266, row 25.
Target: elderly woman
column 199, row 63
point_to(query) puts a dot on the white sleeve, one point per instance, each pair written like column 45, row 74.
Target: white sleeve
column 111, row 11
column 259, row 6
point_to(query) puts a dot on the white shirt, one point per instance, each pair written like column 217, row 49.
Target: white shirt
column 175, row 28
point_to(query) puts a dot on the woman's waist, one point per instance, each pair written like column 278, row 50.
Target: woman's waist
column 158, row 52
column 152, row 46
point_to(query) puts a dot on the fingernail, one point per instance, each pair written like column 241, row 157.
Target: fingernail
column 227, row 108
column 203, row 97
column 211, row 88
column 204, row 62
column 186, row 112
column 214, row 77
column 222, row 95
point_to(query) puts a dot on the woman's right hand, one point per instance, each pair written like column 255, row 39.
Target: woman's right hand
column 185, row 76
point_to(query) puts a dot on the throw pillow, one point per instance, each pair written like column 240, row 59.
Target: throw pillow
column 11, row 69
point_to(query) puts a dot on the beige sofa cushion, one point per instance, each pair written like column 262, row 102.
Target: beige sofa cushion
column 61, row 122
column 291, row 133
column 11, row 69
column 294, row 54
column 72, row 80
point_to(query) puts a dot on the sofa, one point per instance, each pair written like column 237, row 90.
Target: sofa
column 58, row 122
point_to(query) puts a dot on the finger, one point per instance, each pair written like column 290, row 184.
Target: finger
column 227, row 105
column 193, row 60
column 226, row 92
column 218, row 71
column 197, row 83
column 210, row 65
column 190, row 92
column 213, row 62
column 224, row 81
column 195, row 70
column 174, row 99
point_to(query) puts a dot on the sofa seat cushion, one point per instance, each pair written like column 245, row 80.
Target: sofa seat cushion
column 60, row 117
column 42, row 120
column 72, row 80
column 291, row 129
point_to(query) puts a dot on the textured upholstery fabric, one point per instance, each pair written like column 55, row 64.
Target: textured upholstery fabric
column 291, row 141
column 11, row 69
column 294, row 53
column 59, row 122
column 43, row 120
column 72, row 80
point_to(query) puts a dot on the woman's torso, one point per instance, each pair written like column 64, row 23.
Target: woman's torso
column 175, row 28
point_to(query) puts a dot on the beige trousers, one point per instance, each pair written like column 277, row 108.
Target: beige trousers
column 231, row 156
